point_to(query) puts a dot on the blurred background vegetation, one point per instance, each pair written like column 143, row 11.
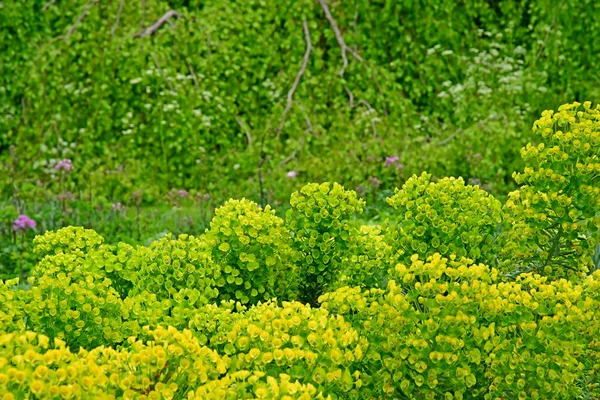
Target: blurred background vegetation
column 167, row 108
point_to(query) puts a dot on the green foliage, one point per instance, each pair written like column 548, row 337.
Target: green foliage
column 367, row 259
column 295, row 339
column 447, row 81
column 84, row 312
column 448, row 327
column 555, row 214
column 251, row 248
column 73, row 239
column 322, row 228
column 446, row 217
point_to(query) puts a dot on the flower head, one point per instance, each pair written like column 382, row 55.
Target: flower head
column 23, row 222
column 64, row 165
column 390, row 161
column 292, row 174
column 374, row 181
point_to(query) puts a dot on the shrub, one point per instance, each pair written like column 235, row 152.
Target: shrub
column 554, row 215
column 367, row 260
column 446, row 217
column 72, row 239
column 293, row 339
column 102, row 261
column 85, row 312
column 251, row 248
column 321, row 225
column 12, row 316
column 450, row 327
column 170, row 265
column 168, row 366
column 247, row 384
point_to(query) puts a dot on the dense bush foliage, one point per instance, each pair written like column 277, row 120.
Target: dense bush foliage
column 446, row 217
column 321, row 225
column 435, row 303
column 252, row 248
column 554, row 214
column 446, row 87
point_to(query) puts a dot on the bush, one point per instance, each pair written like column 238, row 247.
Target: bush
column 251, row 247
column 554, row 216
column 448, row 327
column 446, row 217
column 322, row 228
column 367, row 260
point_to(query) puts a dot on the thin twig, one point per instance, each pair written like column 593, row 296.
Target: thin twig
column 350, row 97
column 446, row 141
column 48, row 4
column 340, row 38
column 246, row 131
column 159, row 22
column 114, row 28
column 162, row 72
column 261, row 162
column 288, row 159
column 80, row 18
column 290, row 96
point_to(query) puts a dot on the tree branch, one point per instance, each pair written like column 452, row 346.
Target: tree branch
column 340, row 38
column 290, row 96
column 246, row 131
column 48, row 4
column 159, row 22
column 114, row 28
column 80, row 18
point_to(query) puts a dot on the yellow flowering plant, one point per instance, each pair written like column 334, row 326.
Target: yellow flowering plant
column 251, row 247
column 446, row 217
column 554, row 221
column 322, row 229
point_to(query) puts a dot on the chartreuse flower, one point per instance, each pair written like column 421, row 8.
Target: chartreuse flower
column 449, row 326
column 555, row 214
column 292, row 339
column 445, row 217
column 251, row 247
column 322, row 227
column 367, row 259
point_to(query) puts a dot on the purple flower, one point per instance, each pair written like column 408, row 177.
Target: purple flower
column 375, row 181
column 64, row 165
column 183, row 194
column 117, row 206
column 292, row 174
column 389, row 161
column 23, row 222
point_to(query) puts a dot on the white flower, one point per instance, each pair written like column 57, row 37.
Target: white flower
column 135, row 81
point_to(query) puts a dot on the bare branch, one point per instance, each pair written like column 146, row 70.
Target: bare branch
column 159, row 22
column 340, row 38
column 162, row 72
column 48, row 4
column 446, row 141
column 350, row 97
column 246, row 131
column 114, row 28
column 290, row 96
column 80, row 18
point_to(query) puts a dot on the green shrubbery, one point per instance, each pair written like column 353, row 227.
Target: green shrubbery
column 374, row 317
column 187, row 106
